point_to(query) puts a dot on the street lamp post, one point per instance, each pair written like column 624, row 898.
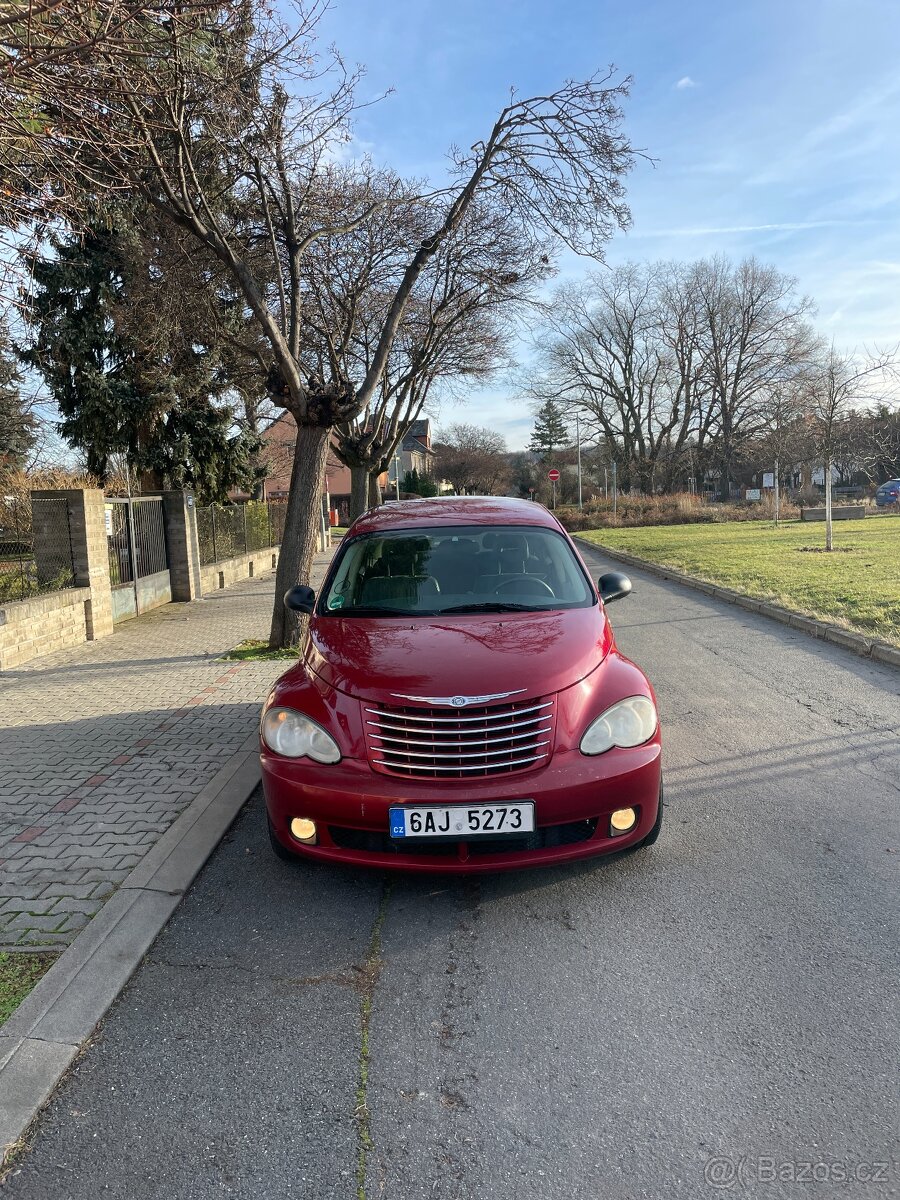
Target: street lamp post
column 397, row 475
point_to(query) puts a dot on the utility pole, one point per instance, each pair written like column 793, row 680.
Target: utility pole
column 776, row 492
column 615, row 487
column 578, row 445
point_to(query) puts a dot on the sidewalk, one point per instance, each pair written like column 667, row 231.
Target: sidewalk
column 103, row 746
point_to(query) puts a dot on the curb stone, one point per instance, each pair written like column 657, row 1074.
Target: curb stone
column 884, row 653
column 880, row 652
column 43, row 1036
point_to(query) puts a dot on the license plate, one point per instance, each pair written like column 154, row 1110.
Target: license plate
column 462, row 821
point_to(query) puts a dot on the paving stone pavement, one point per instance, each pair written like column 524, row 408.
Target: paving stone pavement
column 104, row 745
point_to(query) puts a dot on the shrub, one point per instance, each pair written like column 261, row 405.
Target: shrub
column 678, row 508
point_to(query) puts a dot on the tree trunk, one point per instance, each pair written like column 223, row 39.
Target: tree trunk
column 829, row 532
column 375, row 497
column 301, row 528
column 727, row 460
column 725, row 481
column 359, row 491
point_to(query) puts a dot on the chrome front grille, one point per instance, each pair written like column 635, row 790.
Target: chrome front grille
column 462, row 744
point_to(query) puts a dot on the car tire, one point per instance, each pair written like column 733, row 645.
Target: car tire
column 278, row 849
column 657, row 824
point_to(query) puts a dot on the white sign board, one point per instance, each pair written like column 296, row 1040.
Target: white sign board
column 107, row 512
column 753, row 494
column 769, row 479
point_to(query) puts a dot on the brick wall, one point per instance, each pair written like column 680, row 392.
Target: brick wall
column 181, row 538
column 90, row 557
column 54, row 621
column 232, row 570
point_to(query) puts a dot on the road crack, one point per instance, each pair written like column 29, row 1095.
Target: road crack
column 366, row 984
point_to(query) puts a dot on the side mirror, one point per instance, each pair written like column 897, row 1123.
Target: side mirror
column 300, row 598
column 613, row 586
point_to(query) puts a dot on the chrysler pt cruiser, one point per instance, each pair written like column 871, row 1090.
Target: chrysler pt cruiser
column 460, row 703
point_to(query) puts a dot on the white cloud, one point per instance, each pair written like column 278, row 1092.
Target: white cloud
column 685, row 82
column 349, row 149
column 773, row 227
column 862, row 129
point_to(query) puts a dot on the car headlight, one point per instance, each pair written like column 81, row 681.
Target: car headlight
column 628, row 723
column 296, row 736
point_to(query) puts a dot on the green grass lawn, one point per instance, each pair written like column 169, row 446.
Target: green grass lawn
column 18, row 975
column 254, row 651
column 858, row 585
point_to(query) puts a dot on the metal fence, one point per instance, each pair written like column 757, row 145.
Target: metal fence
column 35, row 547
column 138, row 520
column 224, row 531
column 118, row 540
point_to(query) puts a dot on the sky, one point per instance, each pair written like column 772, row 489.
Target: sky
column 772, row 125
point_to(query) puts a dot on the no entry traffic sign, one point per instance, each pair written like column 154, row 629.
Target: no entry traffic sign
column 553, row 474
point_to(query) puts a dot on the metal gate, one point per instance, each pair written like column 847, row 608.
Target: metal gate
column 138, row 555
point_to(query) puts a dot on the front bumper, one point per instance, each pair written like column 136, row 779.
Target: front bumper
column 573, row 797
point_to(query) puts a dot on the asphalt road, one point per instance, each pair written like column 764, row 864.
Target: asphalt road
column 716, row 1014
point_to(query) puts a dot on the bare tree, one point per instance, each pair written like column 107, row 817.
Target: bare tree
column 456, row 329
column 785, row 438
column 673, row 365
column 755, row 333
column 44, row 44
column 214, row 120
column 680, row 328
column 612, row 356
column 839, row 385
column 874, row 443
column 473, row 459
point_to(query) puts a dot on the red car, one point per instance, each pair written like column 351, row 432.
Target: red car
column 460, row 704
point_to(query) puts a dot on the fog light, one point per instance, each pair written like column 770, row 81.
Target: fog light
column 304, row 830
column 621, row 821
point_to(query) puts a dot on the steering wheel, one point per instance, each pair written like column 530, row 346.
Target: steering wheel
column 531, row 584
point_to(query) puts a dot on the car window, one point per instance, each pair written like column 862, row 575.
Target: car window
column 459, row 568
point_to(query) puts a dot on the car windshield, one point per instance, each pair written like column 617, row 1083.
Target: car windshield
column 460, row 569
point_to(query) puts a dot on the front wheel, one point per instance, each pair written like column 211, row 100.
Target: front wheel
column 657, row 824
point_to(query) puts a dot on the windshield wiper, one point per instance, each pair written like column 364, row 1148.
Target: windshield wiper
column 491, row 606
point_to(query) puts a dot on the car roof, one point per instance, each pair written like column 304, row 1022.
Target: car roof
column 452, row 510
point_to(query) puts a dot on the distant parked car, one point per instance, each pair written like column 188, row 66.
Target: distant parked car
column 460, row 704
column 888, row 493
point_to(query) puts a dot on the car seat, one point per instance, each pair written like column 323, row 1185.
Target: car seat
column 454, row 565
column 408, row 589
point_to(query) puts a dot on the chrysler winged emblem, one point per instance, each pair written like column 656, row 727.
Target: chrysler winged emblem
column 458, row 701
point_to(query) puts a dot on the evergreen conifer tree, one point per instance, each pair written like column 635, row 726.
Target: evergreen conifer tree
column 550, row 431
column 16, row 424
column 127, row 380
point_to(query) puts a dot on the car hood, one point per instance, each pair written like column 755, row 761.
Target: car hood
column 471, row 655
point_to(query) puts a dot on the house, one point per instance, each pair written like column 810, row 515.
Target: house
column 279, row 438
column 277, row 453
column 415, row 450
